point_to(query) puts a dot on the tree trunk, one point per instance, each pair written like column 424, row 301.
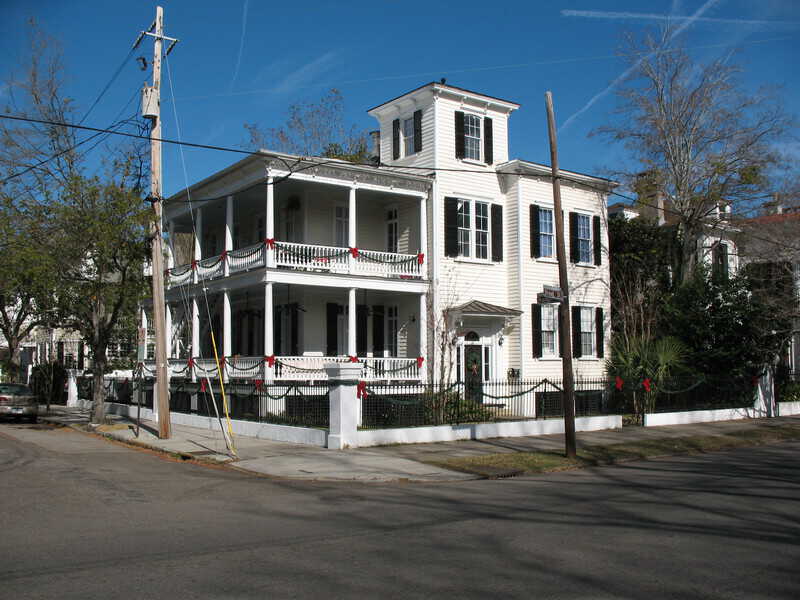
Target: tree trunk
column 98, row 392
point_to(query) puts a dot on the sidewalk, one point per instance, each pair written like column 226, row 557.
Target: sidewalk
column 402, row 462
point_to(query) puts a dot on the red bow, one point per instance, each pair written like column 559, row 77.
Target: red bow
column 354, row 252
column 420, row 258
column 190, row 362
column 420, row 360
column 224, row 255
column 361, row 389
column 258, row 383
column 202, row 385
column 646, row 384
column 270, row 360
column 618, row 382
column 270, row 242
column 194, row 264
column 354, row 359
column 222, row 362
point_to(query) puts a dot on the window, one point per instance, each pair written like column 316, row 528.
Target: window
column 391, row 230
column 549, row 329
column 584, row 235
column 472, row 137
column 342, row 225
column 408, row 137
column 464, row 228
column 719, row 256
column 391, row 330
column 479, row 226
column 587, row 331
column 546, row 233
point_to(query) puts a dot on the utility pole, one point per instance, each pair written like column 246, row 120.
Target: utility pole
column 151, row 108
column 564, row 329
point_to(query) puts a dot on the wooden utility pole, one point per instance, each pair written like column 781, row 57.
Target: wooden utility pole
column 159, row 316
column 564, row 329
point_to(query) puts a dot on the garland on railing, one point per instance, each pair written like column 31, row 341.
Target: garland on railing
column 234, row 367
column 417, row 259
column 258, row 248
column 177, row 272
column 219, row 259
column 289, row 250
column 528, row 391
column 377, row 367
column 183, row 370
column 367, row 391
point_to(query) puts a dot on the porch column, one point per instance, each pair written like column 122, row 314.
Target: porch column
column 270, row 219
column 142, row 350
column 269, row 348
column 228, row 233
column 168, row 327
column 226, row 328
column 351, row 322
column 195, row 350
column 351, row 222
column 423, row 229
column 197, row 255
column 423, row 331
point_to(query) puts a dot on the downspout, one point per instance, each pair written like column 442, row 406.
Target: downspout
column 521, row 291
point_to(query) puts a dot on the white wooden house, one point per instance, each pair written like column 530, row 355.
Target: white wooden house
column 427, row 265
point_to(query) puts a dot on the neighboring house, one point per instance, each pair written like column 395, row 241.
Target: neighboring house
column 427, row 267
column 770, row 247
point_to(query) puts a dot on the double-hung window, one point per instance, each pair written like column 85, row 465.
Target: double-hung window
column 587, row 331
column 549, row 329
column 391, row 230
column 546, row 233
column 584, row 236
column 473, row 229
column 472, row 137
column 408, row 137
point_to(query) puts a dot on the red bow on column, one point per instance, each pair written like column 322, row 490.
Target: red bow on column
column 420, row 360
column 190, row 362
column 354, row 252
column 353, row 359
column 202, row 385
column 270, row 242
column 361, row 389
column 420, row 258
column 224, row 255
column 270, row 360
column 618, row 382
column 258, row 383
column 194, row 264
column 646, row 384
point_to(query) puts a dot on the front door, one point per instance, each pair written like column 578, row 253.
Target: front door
column 473, row 372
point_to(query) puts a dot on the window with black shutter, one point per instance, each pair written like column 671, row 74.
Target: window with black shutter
column 417, row 131
column 598, row 324
column 574, row 249
column 576, row 331
column 536, row 332
column 536, row 249
column 396, row 139
column 451, row 227
column 598, row 258
column 460, row 143
column 497, row 233
column 488, row 147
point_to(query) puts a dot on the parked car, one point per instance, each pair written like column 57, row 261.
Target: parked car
column 18, row 401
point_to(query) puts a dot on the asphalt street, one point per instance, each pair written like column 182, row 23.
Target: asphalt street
column 86, row 518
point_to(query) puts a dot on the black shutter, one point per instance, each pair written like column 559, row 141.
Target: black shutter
column 561, row 311
column 536, row 243
column 276, row 332
column 576, row 331
column 451, row 226
column 81, row 350
column 417, row 131
column 361, row 330
column 497, row 233
column 460, row 144
column 396, row 139
column 574, row 249
column 378, row 344
column 332, row 328
column 293, row 312
column 488, row 144
column 598, row 258
column 598, row 327
column 536, row 332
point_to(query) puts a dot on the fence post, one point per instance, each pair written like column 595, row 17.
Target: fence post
column 344, row 404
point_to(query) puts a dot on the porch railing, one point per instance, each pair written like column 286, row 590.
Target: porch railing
column 289, row 368
column 306, row 257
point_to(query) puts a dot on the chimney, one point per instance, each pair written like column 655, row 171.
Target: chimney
column 375, row 151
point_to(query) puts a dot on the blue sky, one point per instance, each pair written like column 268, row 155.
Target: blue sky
column 247, row 60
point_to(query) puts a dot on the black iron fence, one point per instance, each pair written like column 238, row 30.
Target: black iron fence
column 416, row 405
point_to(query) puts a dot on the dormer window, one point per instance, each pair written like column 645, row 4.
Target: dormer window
column 407, row 136
column 474, row 138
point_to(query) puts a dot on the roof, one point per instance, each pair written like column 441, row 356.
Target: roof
column 445, row 86
column 526, row 166
column 476, row 307
column 770, row 219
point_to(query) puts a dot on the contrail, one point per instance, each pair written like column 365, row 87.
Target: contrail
column 241, row 44
column 686, row 24
column 600, row 14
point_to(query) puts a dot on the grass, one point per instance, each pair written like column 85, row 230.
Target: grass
column 507, row 464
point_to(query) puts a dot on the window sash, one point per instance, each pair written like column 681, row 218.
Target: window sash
column 408, row 137
column 546, row 233
column 392, row 234
column 587, row 331
column 584, row 239
column 391, row 330
column 481, row 230
column 465, row 228
column 472, row 137
column 549, row 330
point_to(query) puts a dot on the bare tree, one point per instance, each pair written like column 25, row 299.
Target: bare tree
column 704, row 140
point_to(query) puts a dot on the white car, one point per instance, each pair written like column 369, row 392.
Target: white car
column 18, row 401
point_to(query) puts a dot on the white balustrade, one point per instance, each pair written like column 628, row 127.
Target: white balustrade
column 180, row 275
column 211, row 267
column 390, row 368
column 387, row 264
column 179, row 367
column 244, row 259
column 311, row 257
column 205, row 367
column 244, row 367
column 300, row 368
